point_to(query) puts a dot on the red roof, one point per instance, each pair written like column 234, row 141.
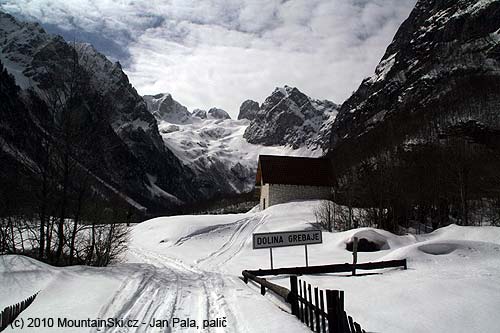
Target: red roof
column 294, row 171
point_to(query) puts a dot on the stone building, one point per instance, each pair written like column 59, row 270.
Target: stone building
column 285, row 178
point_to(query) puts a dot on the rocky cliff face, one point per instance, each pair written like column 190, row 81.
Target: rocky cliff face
column 442, row 68
column 217, row 113
column 209, row 143
column 212, row 145
column 290, row 118
column 248, row 110
column 165, row 108
column 135, row 160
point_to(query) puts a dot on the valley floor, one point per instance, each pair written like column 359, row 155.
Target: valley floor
column 188, row 267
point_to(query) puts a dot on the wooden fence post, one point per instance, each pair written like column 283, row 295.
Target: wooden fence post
column 294, row 300
column 354, row 254
column 306, row 305
column 301, row 303
column 331, row 305
column 316, row 300
column 322, row 307
column 351, row 324
column 342, row 314
column 311, row 310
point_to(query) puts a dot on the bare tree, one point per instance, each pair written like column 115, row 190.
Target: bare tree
column 325, row 214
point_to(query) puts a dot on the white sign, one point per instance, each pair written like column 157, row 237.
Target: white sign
column 287, row 238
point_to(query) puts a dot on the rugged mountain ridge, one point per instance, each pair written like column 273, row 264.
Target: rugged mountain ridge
column 289, row 117
column 132, row 156
column 165, row 108
column 202, row 141
column 214, row 147
column 442, row 68
column 150, row 149
column 248, row 110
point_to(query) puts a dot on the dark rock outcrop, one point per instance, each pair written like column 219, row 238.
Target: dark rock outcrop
column 164, row 107
column 442, row 68
column 248, row 110
column 202, row 114
column 128, row 153
column 217, row 113
column 290, row 118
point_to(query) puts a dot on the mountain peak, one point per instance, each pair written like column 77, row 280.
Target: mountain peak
column 165, row 108
column 443, row 47
column 218, row 113
column 288, row 117
column 285, row 90
column 248, row 110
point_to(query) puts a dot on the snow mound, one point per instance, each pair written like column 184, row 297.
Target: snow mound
column 454, row 251
column 368, row 241
column 439, row 248
column 453, row 231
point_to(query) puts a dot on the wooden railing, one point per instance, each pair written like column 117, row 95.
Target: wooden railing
column 312, row 312
column 10, row 313
column 334, row 268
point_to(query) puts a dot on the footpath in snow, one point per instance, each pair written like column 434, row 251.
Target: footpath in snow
column 188, row 267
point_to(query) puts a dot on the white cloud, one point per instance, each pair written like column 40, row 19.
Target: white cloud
column 221, row 52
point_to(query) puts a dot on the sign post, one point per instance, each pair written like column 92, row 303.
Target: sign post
column 307, row 259
column 286, row 238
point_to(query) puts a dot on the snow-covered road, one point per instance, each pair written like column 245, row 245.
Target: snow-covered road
column 189, row 267
column 168, row 288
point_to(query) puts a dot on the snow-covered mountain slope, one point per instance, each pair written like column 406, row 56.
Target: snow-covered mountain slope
column 290, row 118
column 198, row 155
column 442, row 68
column 213, row 145
column 190, row 267
column 128, row 153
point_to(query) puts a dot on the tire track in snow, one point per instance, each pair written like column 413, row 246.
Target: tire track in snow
column 209, row 230
column 234, row 244
column 145, row 295
column 168, row 288
column 203, row 292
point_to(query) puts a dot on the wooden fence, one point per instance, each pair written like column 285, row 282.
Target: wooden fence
column 10, row 313
column 312, row 312
column 335, row 268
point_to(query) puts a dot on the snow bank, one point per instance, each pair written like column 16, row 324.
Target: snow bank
column 190, row 265
column 452, row 282
column 76, row 292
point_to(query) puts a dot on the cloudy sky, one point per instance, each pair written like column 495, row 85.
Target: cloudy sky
column 222, row 52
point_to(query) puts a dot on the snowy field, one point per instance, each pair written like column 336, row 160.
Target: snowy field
column 189, row 267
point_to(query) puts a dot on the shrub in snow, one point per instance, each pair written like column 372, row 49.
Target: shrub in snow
column 364, row 245
column 331, row 216
column 368, row 241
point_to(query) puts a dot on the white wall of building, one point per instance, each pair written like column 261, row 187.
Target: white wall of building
column 264, row 196
column 273, row 194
